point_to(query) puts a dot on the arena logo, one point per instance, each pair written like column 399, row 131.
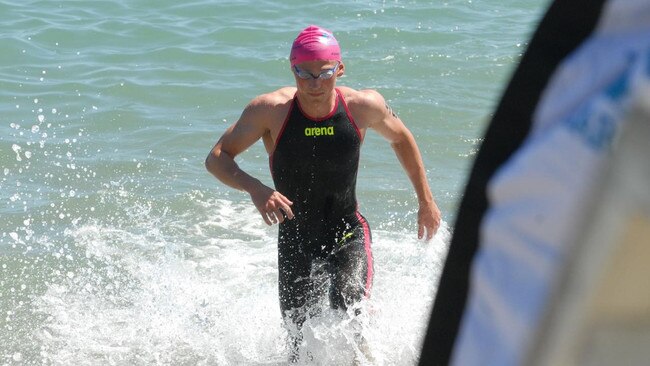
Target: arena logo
column 319, row 131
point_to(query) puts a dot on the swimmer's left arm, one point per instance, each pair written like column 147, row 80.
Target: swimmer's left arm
column 383, row 119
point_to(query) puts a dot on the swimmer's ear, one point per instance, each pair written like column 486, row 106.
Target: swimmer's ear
column 341, row 70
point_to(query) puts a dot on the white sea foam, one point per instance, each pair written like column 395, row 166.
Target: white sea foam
column 153, row 295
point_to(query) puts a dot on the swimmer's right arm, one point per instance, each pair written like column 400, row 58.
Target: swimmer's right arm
column 250, row 127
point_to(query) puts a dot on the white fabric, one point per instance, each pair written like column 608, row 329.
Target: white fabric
column 539, row 197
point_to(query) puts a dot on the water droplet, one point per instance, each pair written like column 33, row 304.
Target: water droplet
column 35, row 129
column 16, row 149
column 41, row 118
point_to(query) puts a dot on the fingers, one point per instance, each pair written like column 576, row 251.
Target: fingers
column 430, row 228
column 428, row 221
column 276, row 209
column 272, row 216
column 285, row 206
column 266, row 218
column 430, row 231
column 279, row 209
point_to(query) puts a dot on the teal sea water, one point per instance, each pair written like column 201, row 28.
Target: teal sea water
column 118, row 248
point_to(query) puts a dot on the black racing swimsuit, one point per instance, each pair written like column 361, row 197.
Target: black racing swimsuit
column 315, row 164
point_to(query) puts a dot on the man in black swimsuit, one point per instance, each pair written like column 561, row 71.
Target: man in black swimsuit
column 313, row 134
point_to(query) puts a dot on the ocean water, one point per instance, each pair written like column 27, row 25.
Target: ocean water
column 118, row 248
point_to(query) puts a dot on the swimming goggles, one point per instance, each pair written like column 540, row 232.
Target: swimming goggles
column 306, row 75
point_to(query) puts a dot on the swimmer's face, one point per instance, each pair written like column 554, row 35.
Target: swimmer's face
column 315, row 79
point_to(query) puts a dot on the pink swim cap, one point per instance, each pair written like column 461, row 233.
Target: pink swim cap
column 314, row 44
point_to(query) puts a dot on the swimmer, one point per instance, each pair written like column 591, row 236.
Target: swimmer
column 313, row 133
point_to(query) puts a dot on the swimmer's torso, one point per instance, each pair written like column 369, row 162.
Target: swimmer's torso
column 315, row 164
